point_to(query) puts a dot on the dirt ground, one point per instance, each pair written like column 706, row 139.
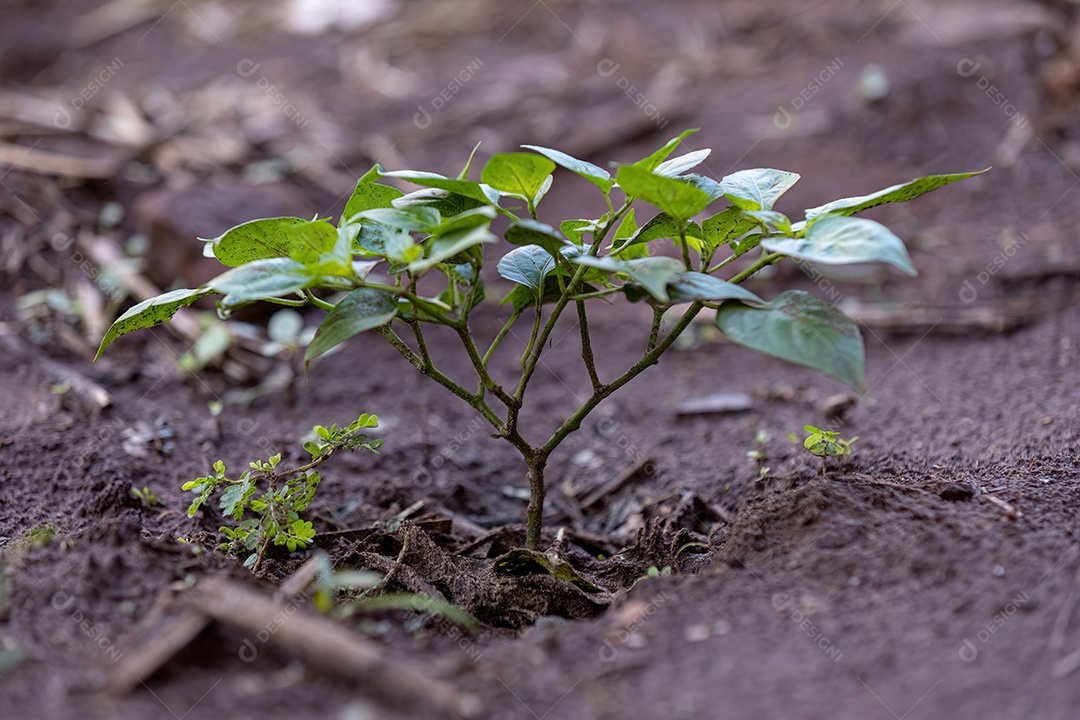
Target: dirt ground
column 935, row 574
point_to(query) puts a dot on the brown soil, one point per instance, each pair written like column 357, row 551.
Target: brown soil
column 933, row 574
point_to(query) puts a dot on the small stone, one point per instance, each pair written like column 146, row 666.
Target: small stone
column 998, row 571
column 956, row 492
column 724, row 402
column 696, row 633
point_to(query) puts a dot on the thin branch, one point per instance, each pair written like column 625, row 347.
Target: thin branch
column 586, row 347
column 654, row 333
column 499, row 338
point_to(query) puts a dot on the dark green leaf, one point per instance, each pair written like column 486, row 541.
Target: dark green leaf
column 839, row 240
column 688, row 286
column 757, row 189
column 726, row 226
column 530, row 232
column 447, row 246
column 360, row 310
column 575, row 229
column 653, row 161
column 414, row 218
column 801, row 329
column 527, row 266
column 678, row 199
column 269, row 238
column 520, row 175
column 594, row 174
column 149, row 313
column 369, row 196
column 896, row 193
column 661, row 226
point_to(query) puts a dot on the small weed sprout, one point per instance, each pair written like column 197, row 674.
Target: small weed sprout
column 442, row 235
column 145, row 496
column 826, row 444
column 759, row 454
column 265, row 501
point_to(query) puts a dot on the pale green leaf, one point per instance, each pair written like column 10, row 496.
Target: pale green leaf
column 150, row 313
column 757, row 189
column 596, row 175
column 896, row 193
column 837, row 240
column 801, row 329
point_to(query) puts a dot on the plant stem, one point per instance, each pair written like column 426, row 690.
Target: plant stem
column 573, row 422
column 586, row 347
column 654, row 333
column 528, row 351
column 499, row 338
column 534, row 514
column 765, row 260
column 685, row 247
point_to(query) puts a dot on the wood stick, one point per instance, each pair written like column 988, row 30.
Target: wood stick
column 615, row 484
column 323, row 642
column 50, row 163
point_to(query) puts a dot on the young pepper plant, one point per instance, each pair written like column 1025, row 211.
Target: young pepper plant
column 444, row 229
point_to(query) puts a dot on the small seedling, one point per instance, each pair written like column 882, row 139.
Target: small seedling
column 826, row 443
column 274, row 496
column 759, row 454
column 439, row 240
column 145, row 496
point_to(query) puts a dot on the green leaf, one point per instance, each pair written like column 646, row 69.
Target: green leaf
column 801, row 329
column 530, row 232
column 150, row 313
column 464, row 174
column 651, row 273
column 778, row 220
column 707, row 185
column 757, row 189
column 269, row 238
column 575, row 230
column 897, row 193
column 688, row 286
column 447, row 246
column 683, row 163
column 320, row 256
column 360, row 310
column 527, row 266
column 659, row 227
column 420, row 603
column 520, row 175
column 369, row 196
column 466, row 220
column 413, row 218
column 598, row 176
column 261, row 279
column 652, row 162
column 839, row 240
column 467, row 188
column 678, row 199
column 726, row 226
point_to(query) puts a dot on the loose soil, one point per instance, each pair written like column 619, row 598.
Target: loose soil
column 935, row 573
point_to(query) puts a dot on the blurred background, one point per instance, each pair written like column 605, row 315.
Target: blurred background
column 130, row 127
